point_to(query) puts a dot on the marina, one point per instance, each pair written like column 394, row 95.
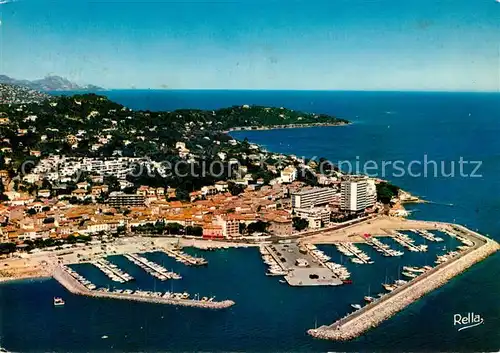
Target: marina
column 403, row 293
column 66, row 277
column 152, row 268
column 302, row 265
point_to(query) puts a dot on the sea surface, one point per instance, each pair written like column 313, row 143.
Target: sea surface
column 272, row 317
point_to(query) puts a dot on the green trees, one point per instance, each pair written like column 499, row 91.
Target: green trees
column 194, row 230
column 3, row 197
column 235, row 189
column 299, row 223
column 386, row 191
column 112, row 183
column 257, row 227
column 7, row 248
column 306, row 176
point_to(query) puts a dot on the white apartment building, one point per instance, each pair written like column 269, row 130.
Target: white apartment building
column 313, row 197
column 355, row 195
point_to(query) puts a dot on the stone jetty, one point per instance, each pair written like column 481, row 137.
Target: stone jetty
column 356, row 323
column 75, row 287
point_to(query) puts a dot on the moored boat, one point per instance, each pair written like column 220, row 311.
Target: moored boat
column 369, row 299
column 58, row 301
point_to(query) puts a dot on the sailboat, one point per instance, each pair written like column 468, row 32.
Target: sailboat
column 368, row 298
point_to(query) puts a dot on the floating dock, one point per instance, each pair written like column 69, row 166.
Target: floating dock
column 356, row 323
column 426, row 235
column 358, row 256
column 152, row 268
column 75, row 287
column 382, row 248
column 185, row 258
column 114, row 273
column 407, row 242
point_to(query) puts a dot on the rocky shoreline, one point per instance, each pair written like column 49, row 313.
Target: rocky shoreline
column 286, row 126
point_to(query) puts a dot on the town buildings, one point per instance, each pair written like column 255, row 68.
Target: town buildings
column 120, row 199
column 312, row 197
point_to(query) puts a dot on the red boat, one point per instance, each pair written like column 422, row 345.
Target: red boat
column 347, row 281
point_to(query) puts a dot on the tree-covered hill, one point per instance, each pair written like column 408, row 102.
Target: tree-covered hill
column 92, row 125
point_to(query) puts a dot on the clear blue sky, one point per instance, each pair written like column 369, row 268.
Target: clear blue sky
column 256, row 44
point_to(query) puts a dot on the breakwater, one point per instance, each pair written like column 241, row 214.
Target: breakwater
column 75, row 287
column 356, row 323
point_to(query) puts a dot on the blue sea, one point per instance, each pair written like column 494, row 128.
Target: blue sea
column 272, row 317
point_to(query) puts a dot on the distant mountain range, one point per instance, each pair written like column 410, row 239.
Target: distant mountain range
column 49, row 83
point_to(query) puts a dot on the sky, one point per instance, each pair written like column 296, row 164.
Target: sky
column 256, row 44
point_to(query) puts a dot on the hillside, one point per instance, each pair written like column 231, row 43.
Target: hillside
column 49, row 83
column 13, row 94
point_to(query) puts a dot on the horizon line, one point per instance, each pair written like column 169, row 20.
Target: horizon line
column 280, row 90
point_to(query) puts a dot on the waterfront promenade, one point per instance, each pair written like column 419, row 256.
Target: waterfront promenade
column 75, row 287
column 356, row 323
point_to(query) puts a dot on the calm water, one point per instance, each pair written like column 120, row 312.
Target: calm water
column 270, row 316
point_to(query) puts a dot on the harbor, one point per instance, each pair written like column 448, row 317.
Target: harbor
column 66, row 277
column 364, row 318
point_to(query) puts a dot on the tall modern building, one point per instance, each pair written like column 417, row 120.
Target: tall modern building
column 356, row 195
column 313, row 197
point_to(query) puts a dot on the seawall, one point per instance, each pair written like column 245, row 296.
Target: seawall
column 355, row 324
column 75, row 287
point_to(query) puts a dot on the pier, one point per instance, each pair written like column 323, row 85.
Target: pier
column 407, row 242
column 302, row 265
column 75, row 287
column 382, row 248
column 349, row 249
column 426, row 235
column 185, row 258
column 152, row 268
column 114, row 273
column 356, row 323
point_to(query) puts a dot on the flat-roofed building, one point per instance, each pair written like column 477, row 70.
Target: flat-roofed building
column 316, row 216
column 120, row 199
column 313, row 197
column 355, row 195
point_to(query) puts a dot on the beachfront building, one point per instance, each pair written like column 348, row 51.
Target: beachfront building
column 355, row 196
column 312, row 197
